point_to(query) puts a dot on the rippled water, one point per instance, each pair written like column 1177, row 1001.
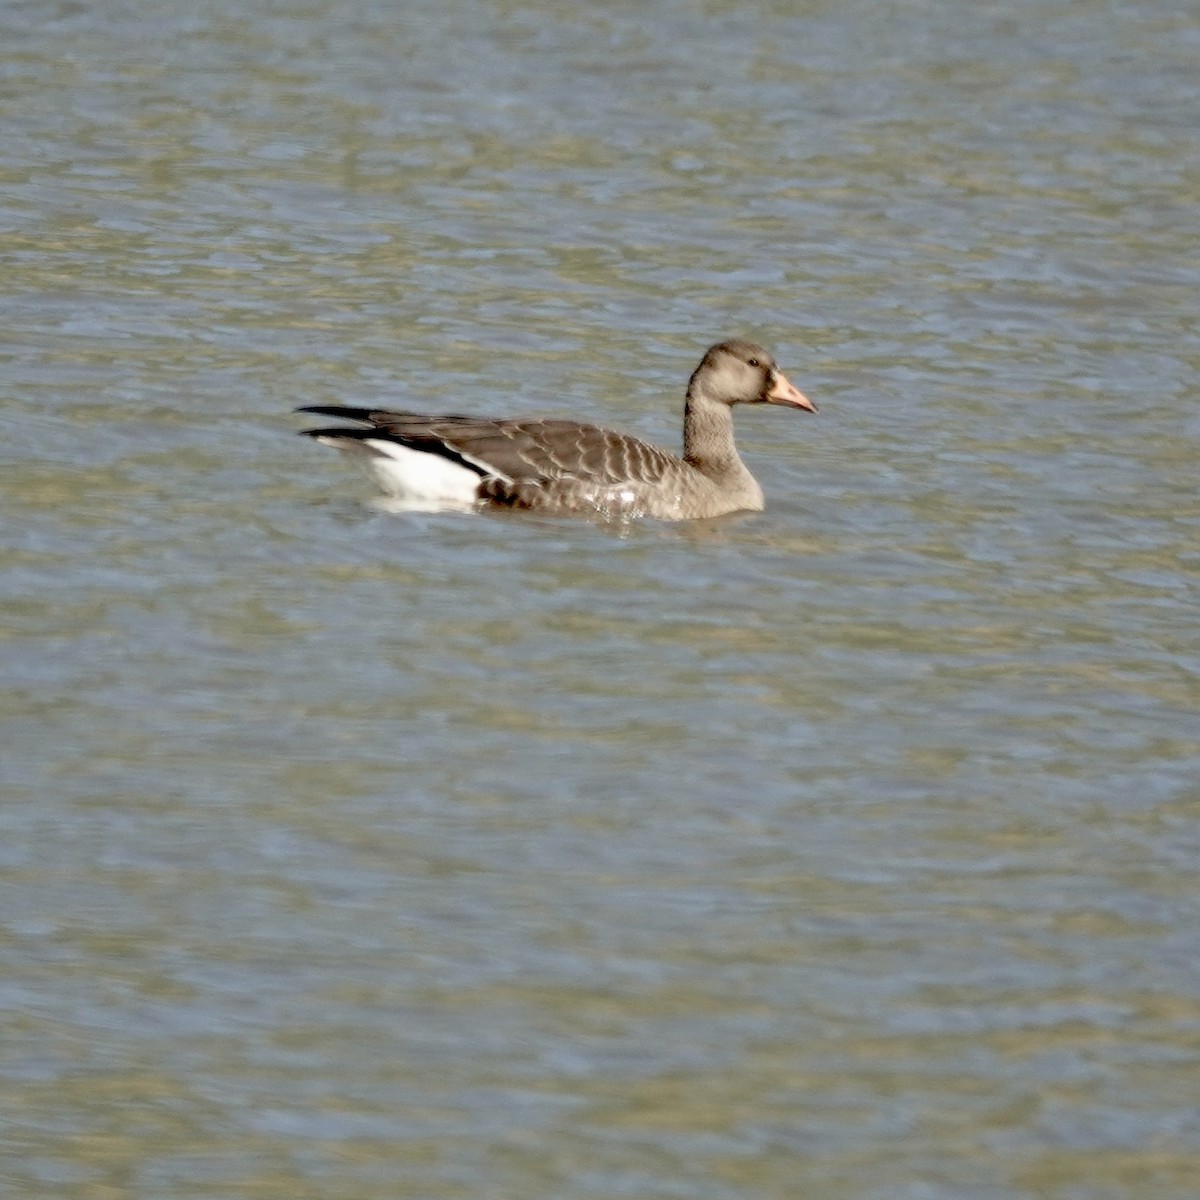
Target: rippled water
column 845, row 850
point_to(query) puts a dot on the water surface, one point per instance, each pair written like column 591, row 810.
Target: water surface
column 845, row 850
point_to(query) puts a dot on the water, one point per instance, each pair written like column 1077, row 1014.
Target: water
column 845, row 850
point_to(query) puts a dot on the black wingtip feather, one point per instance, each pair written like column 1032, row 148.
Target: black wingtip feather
column 336, row 431
column 339, row 411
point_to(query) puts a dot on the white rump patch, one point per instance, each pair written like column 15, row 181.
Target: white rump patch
column 414, row 480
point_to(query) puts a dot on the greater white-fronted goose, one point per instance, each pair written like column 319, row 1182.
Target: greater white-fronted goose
column 555, row 466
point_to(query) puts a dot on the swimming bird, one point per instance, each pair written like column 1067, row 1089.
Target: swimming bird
column 557, row 466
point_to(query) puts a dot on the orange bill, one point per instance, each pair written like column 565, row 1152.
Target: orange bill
column 783, row 391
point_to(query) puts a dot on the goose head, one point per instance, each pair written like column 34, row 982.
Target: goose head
column 739, row 372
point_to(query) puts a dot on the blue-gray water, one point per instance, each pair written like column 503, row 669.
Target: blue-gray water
column 842, row 851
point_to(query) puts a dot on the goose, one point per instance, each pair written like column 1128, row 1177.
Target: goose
column 427, row 462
